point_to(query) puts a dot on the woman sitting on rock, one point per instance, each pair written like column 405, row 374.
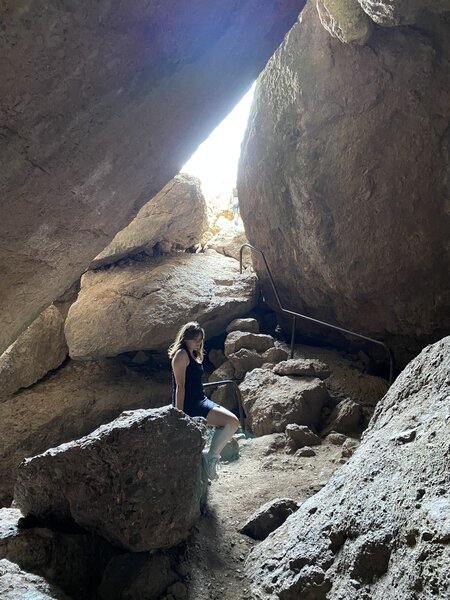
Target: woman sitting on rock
column 187, row 392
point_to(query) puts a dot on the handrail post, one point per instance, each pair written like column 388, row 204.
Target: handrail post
column 294, row 318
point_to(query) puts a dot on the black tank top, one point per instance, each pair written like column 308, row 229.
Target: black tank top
column 193, row 388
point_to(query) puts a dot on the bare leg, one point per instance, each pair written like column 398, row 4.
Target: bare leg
column 221, row 417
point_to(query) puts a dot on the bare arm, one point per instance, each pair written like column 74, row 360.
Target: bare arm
column 179, row 364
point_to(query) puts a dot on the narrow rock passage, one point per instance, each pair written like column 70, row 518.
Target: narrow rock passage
column 217, row 550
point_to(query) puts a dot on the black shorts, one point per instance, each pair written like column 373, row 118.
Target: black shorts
column 199, row 409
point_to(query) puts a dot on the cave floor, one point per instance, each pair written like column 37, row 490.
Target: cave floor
column 217, row 550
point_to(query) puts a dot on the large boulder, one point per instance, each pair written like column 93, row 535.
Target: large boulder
column 246, row 324
column 143, row 304
column 336, row 132
column 67, row 405
column 101, row 104
column 342, row 376
column 135, row 481
column 39, row 349
column 272, row 402
column 236, row 340
column 229, row 242
column 176, row 216
column 382, row 522
column 245, row 360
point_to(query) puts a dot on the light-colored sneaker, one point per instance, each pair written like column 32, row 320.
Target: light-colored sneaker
column 211, row 465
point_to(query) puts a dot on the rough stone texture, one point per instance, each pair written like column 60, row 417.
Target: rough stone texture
column 39, row 349
column 299, row 435
column 272, row 402
column 346, row 379
column 115, row 481
column 345, row 418
column 245, row 360
column 338, row 439
column 176, row 216
column 345, row 20
column 382, row 522
column 366, row 390
column 226, row 397
column 229, row 242
column 69, row 404
column 250, row 325
column 16, row 584
column 225, row 371
column 101, row 105
column 242, row 339
column 303, row 368
column 137, row 576
column 269, row 517
column 143, row 304
column 335, row 133
column 73, row 561
column 401, row 12
column 275, row 355
column 349, row 447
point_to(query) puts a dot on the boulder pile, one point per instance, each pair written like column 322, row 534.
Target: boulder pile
column 382, row 522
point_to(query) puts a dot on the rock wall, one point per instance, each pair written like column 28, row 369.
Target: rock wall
column 382, row 523
column 67, row 404
column 345, row 166
column 101, row 105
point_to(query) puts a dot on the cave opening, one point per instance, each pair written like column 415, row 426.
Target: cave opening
column 215, row 164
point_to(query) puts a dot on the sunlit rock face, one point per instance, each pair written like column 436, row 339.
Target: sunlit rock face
column 401, row 12
column 343, row 180
column 101, row 105
column 382, row 522
column 142, row 304
column 175, row 217
column 345, row 20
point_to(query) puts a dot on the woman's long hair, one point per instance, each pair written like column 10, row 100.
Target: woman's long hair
column 188, row 332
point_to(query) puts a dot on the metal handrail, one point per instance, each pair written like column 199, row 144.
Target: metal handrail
column 239, row 396
column 296, row 314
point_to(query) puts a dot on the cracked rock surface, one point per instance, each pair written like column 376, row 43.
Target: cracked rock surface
column 382, row 522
